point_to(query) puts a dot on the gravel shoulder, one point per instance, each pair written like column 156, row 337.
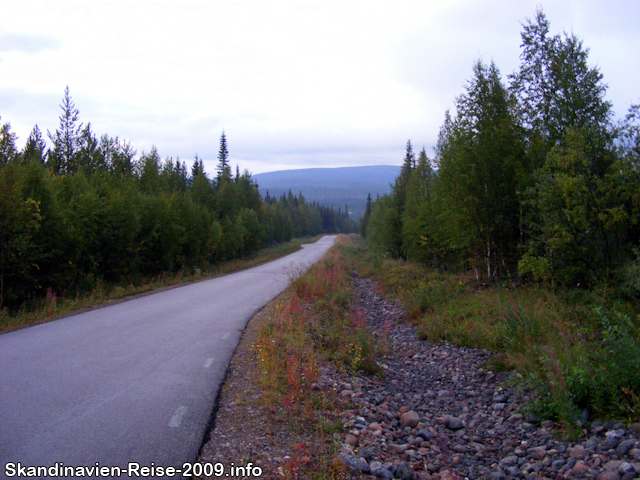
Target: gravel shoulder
column 438, row 413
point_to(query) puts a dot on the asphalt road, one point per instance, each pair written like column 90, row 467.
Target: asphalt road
column 132, row 382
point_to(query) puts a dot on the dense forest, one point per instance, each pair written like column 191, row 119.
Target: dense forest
column 88, row 210
column 530, row 178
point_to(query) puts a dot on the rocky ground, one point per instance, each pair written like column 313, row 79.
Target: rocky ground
column 437, row 414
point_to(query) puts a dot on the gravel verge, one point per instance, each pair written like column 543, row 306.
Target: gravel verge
column 438, row 413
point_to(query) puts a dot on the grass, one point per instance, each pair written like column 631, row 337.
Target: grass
column 314, row 323
column 54, row 306
column 580, row 349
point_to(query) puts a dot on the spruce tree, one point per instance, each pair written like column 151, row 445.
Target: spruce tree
column 224, row 171
column 34, row 149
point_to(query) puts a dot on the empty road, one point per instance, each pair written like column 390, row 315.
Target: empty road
column 132, row 382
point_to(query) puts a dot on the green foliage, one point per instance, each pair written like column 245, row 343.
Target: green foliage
column 19, row 223
column 582, row 226
column 364, row 221
column 8, row 151
column 381, row 226
column 538, row 268
column 419, row 213
column 478, row 174
column 531, row 179
column 88, row 213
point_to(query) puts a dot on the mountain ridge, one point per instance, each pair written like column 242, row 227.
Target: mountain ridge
column 334, row 187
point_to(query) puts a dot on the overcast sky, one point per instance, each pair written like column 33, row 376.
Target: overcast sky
column 294, row 84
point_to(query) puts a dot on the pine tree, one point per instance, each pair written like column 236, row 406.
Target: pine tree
column 66, row 139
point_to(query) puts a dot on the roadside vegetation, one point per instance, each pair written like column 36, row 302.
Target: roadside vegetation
column 579, row 349
column 521, row 235
column 313, row 324
column 51, row 306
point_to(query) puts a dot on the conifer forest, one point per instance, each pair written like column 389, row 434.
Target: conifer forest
column 88, row 209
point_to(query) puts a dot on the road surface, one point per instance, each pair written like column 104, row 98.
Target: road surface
column 132, row 382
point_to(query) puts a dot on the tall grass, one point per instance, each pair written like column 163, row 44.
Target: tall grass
column 315, row 322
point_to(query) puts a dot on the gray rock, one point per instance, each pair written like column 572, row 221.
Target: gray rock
column 611, row 442
column 356, row 464
column 591, row 444
column 626, row 467
column 625, row 446
column 513, row 472
column 382, row 473
column 509, row 460
column 366, row 453
column 405, row 472
column 392, row 467
column 557, row 464
column 425, row 434
column 454, row 423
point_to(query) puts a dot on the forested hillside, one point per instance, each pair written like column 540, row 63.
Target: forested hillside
column 88, row 210
column 334, row 187
column 531, row 177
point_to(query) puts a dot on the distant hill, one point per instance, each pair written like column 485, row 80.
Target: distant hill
column 333, row 187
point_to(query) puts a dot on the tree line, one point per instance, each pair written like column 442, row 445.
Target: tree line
column 531, row 177
column 88, row 210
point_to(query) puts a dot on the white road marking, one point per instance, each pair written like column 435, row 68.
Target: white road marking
column 176, row 420
column 208, row 363
column 225, row 336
